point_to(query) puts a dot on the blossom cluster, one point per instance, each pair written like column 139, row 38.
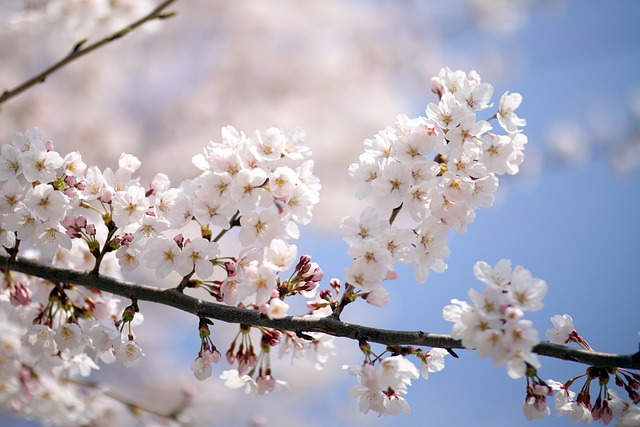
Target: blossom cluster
column 381, row 389
column 50, row 201
column 438, row 169
column 607, row 406
column 493, row 325
column 57, row 209
column 42, row 354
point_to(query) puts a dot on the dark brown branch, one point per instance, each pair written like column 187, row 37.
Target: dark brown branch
column 327, row 325
column 79, row 51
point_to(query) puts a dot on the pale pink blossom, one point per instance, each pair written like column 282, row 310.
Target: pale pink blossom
column 129, row 353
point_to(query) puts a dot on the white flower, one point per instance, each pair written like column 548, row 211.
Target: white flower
column 417, row 199
column 448, row 113
column 215, row 186
column 500, row 275
column 128, row 162
column 129, row 206
column 129, row 353
column 73, row 164
column 47, row 203
column 162, row 256
column 40, row 165
column 7, row 237
column 373, row 391
column 197, row 255
column 364, row 173
column 431, row 248
column 103, row 335
column 509, row 121
column 177, row 205
column 381, row 146
column 201, row 369
column 23, row 221
column 282, row 181
column 233, row 380
column 148, row 227
column 94, row 183
column 483, row 189
column 300, row 204
column 280, row 254
column 399, row 243
column 517, row 365
column 456, row 188
column 50, row 237
column 264, row 226
column 630, row 417
column 210, row 209
column 393, row 183
column 434, row 362
column 373, row 250
column 532, row 408
column 473, row 94
column 396, row 372
column 12, row 192
column 41, row 339
column 369, row 225
column 364, row 275
column 10, row 162
column 128, row 257
column 69, row 336
column 498, row 153
column 276, row 309
column 247, row 190
column 259, row 279
column 562, row 329
column 526, row 291
column 80, row 364
column 268, row 145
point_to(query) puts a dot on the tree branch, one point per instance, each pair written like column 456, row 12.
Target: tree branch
column 327, row 325
column 79, row 51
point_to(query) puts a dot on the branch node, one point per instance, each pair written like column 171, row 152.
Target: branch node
column 78, row 45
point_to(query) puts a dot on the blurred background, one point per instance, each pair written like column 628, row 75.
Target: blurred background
column 342, row 71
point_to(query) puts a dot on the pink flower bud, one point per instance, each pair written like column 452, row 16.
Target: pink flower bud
column 325, row 294
column 106, row 196
column 231, row 268
column 312, row 272
column 304, row 260
column 49, row 145
column 436, row 86
column 378, row 297
column 20, row 295
column 81, row 221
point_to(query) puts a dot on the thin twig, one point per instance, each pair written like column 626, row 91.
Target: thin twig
column 327, row 325
column 134, row 407
column 80, row 50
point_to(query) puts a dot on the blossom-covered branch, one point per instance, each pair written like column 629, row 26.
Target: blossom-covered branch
column 329, row 325
column 81, row 49
column 432, row 173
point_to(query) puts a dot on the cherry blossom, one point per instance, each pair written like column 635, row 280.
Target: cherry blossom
column 129, row 353
column 562, row 330
column 425, row 176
